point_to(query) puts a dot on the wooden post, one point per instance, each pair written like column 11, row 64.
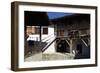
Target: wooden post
column 40, row 35
column 71, row 45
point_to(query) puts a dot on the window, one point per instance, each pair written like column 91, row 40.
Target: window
column 36, row 30
column 28, row 30
column 45, row 30
column 33, row 30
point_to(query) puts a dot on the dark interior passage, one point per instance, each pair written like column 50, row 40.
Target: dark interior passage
column 79, row 48
column 63, row 47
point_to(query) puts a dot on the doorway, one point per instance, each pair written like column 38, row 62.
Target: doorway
column 79, row 48
column 62, row 47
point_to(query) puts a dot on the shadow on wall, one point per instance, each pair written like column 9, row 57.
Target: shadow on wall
column 34, row 47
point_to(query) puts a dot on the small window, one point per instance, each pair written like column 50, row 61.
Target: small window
column 29, row 30
column 45, row 30
column 36, row 30
column 33, row 30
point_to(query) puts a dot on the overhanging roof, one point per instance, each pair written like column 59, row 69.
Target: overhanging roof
column 69, row 19
column 36, row 18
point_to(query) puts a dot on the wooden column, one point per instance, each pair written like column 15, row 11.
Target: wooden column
column 40, row 34
column 71, row 45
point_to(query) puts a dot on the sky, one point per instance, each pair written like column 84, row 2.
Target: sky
column 53, row 15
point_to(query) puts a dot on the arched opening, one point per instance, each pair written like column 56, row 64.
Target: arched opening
column 62, row 47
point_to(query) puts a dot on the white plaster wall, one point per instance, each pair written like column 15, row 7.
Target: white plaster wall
column 51, row 48
column 36, row 37
column 50, row 36
column 33, row 37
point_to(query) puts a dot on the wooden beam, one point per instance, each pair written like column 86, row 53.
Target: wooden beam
column 84, row 43
column 67, row 42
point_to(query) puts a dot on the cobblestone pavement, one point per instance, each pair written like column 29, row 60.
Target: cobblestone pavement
column 50, row 56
